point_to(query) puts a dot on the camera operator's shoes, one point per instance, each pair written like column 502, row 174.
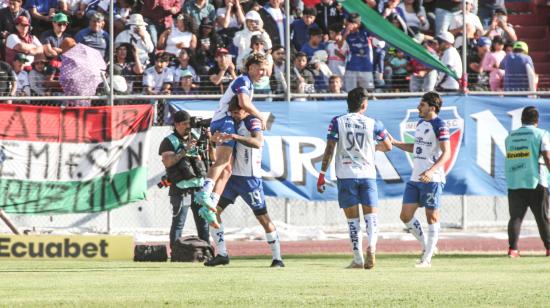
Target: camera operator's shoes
column 209, row 216
column 203, row 198
column 277, row 263
column 217, row 260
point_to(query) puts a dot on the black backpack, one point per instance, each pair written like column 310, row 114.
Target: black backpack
column 191, row 249
column 150, row 253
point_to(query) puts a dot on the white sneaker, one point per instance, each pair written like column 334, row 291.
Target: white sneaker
column 423, row 264
column 355, row 265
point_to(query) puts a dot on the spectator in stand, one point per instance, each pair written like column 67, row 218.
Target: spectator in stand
column 8, row 15
column 172, row 40
column 94, row 36
column 52, row 39
column 451, row 58
column 423, row 78
column 394, row 14
column 184, row 64
column 499, row 26
column 128, row 64
column 491, row 64
column 158, row 15
column 278, row 81
column 335, row 85
column 337, row 49
column 444, row 13
column 229, row 19
column 39, row 80
column 70, row 8
column 222, row 73
column 474, row 29
column 199, row 9
column 475, row 73
column 88, row 8
column 273, row 17
column 485, row 9
column 415, row 15
column 185, row 84
column 321, row 71
column 41, row 13
column 158, row 79
column 359, row 66
column 519, row 71
column 23, row 86
column 8, row 81
column 137, row 36
column 299, row 29
column 314, row 43
column 329, row 12
column 301, row 78
column 398, row 65
column 254, row 26
column 208, row 42
column 22, row 41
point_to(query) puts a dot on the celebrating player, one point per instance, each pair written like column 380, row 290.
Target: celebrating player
column 355, row 135
column 246, row 182
column 431, row 150
column 242, row 87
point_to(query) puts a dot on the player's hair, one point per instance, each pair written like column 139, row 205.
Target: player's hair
column 234, row 104
column 356, row 97
column 529, row 115
column 255, row 58
column 433, row 99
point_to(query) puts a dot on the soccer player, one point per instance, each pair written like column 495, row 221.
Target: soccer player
column 242, row 87
column 356, row 136
column 431, row 150
column 246, row 182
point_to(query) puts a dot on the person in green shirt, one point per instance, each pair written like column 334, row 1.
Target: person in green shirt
column 527, row 164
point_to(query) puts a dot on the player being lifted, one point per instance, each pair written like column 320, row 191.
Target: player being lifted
column 245, row 181
column 242, row 87
column 356, row 136
column 431, row 150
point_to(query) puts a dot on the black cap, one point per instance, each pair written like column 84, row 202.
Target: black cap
column 181, row 116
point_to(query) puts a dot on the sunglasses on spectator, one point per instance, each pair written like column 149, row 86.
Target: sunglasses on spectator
column 62, row 23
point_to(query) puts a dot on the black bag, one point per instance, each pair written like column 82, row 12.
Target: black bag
column 150, row 253
column 191, row 249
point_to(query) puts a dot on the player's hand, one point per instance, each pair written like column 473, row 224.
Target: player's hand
column 426, row 176
column 321, row 182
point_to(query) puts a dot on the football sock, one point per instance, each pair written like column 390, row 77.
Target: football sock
column 273, row 241
column 355, row 237
column 208, row 185
column 371, row 220
column 433, row 236
column 217, row 235
column 415, row 227
column 215, row 197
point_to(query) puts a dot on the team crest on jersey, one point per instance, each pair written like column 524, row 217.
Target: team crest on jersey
column 455, row 123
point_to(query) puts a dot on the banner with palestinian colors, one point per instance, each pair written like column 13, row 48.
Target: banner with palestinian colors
column 72, row 160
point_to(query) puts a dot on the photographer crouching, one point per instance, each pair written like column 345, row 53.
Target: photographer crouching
column 184, row 153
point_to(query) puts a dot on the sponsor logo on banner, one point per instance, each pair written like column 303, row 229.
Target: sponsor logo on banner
column 58, row 247
column 456, row 130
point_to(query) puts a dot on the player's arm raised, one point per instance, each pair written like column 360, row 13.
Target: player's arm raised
column 327, row 158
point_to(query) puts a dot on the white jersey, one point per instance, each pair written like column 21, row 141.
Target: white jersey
column 247, row 161
column 426, row 149
column 355, row 134
column 241, row 84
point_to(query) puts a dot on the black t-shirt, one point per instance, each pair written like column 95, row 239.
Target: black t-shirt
column 220, row 88
column 49, row 37
column 7, row 75
column 166, row 146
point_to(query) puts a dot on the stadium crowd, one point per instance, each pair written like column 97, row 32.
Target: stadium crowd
column 190, row 47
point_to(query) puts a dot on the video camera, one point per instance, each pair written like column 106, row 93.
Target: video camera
column 199, row 122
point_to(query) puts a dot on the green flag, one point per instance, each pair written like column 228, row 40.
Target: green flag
column 395, row 37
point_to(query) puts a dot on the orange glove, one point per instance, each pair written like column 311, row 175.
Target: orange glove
column 321, row 182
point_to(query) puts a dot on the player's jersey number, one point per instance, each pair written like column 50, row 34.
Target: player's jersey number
column 354, row 139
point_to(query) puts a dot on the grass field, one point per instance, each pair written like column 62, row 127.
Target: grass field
column 453, row 280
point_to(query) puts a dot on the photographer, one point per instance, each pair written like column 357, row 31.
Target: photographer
column 185, row 170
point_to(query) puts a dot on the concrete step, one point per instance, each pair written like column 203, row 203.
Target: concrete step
column 540, row 56
column 537, row 44
column 532, row 32
column 528, row 19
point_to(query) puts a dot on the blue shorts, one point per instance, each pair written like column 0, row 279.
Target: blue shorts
column 249, row 188
column 224, row 125
column 424, row 194
column 357, row 191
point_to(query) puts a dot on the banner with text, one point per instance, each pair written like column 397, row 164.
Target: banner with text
column 72, row 160
column 296, row 136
